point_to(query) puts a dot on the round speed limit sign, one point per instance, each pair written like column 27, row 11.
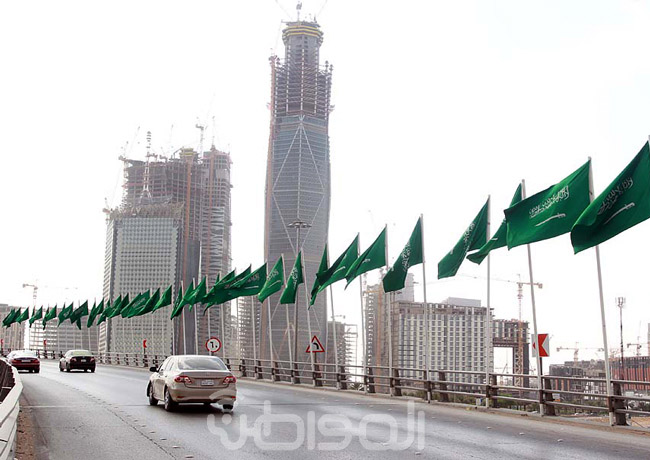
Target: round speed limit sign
column 213, row 345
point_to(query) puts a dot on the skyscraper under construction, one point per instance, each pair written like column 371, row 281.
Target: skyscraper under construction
column 298, row 179
column 192, row 192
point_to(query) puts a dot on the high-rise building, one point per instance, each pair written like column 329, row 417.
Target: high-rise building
column 143, row 252
column 201, row 184
column 12, row 337
column 298, row 175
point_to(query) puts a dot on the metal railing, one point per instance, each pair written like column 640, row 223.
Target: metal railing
column 558, row 396
column 10, row 392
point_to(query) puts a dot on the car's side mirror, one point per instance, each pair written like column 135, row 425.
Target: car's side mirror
column 153, row 369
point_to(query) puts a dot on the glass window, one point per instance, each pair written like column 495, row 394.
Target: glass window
column 201, row 362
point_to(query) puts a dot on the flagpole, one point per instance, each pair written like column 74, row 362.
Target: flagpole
column 223, row 327
column 363, row 335
column 254, row 337
column 488, row 319
column 532, row 301
column 289, row 341
column 336, row 343
column 311, row 352
column 427, row 330
column 608, row 375
column 268, row 312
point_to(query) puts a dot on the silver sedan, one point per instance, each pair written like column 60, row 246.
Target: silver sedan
column 192, row 379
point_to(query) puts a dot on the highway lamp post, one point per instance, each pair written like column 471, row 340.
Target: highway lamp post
column 298, row 224
column 620, row 303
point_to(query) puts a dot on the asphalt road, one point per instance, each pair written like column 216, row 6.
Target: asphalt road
column 106, row 415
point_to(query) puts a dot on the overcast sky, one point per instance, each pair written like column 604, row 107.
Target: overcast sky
column 437, row 105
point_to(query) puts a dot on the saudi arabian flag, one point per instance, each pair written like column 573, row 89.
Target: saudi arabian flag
column 94, row 313
column 137, row 303
column 274, row 281
column 118, row 307
column 104, row 314
column 38, row 314
column 165, row 299
column 109, row 310
column 411, row 255
column 623, row 204
column 23, row 316
column 551, row 212
column 11, row 317
column 80, row 312
column 197, row 295
column 148, row 305
column 49, row 316
column 499, row 239
column 178, row 303
column 474, row 237
column 250, row 285
column 373, row 257
column 294, row 280
column 187, row 295
column 64, row 314
column 221, row 291
column 336, row 271
column 322, row 270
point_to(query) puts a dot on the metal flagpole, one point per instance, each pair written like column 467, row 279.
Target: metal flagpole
column 289, row 342
column 254, row 337
column 223, row 326
column 196, row 331
column 336, row 342
column 488, row 312
column 363, row 334
column 532, row 300
column 311, row 352
column 390, row 338
column 608, row 375
column 427, row 326
column 268, row 312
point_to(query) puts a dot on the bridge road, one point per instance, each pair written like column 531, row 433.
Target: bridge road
column 106, row 415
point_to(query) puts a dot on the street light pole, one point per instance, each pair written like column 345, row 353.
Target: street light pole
column 298, row 225
column 620, row 303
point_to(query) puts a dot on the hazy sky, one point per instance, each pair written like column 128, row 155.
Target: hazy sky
column 437, row 105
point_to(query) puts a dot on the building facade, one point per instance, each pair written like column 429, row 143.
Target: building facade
column 201, row 184
column 298, row 175
column 143, row 252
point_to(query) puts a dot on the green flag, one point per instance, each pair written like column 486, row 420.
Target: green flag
column 551, row 212
column 220, row 293
column 148, row 305
column 49, row 316
column 322, row 269
column 64, row 314
column 499, row 238
column 38, row 314
column 274, row 281
column 373, row 257
column 248, row 285
column 76, row 315
column 118, row 307
column 197, row 295
column 411, row 255
column 11, row 317
column 623, row 204
column 104, row 314
column 336, row 272
column 165, row 299
column 178, row 303
column 474, row 237
column 188, row 294
column 138, row 302
column 96, row 311
column 23, row 316
column 294, row 280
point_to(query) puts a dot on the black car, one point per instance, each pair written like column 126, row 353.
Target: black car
column 24, row 360
column 77, row 359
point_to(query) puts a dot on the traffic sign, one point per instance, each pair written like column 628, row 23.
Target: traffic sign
column 544, row 346
column 144, row 343
column 213, row 345
column 315, row 346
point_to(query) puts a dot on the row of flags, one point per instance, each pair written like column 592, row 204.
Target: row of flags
column 565, row 207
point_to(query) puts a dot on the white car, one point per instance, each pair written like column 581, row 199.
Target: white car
column 192, row 379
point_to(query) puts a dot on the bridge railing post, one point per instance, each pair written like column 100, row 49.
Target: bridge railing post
column 615, row 403
column 342, row 378
column 295, row 374
column 491, row 391
column 395, row 383
column 275, row 371
column 242, row 367
column 258, row 370
column 442, row 385
column 316, row 376
column 547, row 396
column 370, row 380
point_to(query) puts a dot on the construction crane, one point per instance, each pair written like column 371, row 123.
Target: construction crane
column 638, row 346
column 576, row 350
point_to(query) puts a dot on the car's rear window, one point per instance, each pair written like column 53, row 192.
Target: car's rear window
column 29, row 354
column 81, row 353
column 211, row 363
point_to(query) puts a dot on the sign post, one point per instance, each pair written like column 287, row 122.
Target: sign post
column 213, row 345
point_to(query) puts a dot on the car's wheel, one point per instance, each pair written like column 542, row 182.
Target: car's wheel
column 67, row 367
column 170, row 404
column 37, row 371
column 85, row 370
column 228, row 407
column 92, row 370
column 152, row 401
column 60, row 368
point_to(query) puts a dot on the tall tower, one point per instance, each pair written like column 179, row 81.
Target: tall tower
column 298, row 177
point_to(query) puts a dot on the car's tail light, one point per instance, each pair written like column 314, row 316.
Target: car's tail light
column 229, row 379
column 182, row 379
column 35, row 360
column 15, row 361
